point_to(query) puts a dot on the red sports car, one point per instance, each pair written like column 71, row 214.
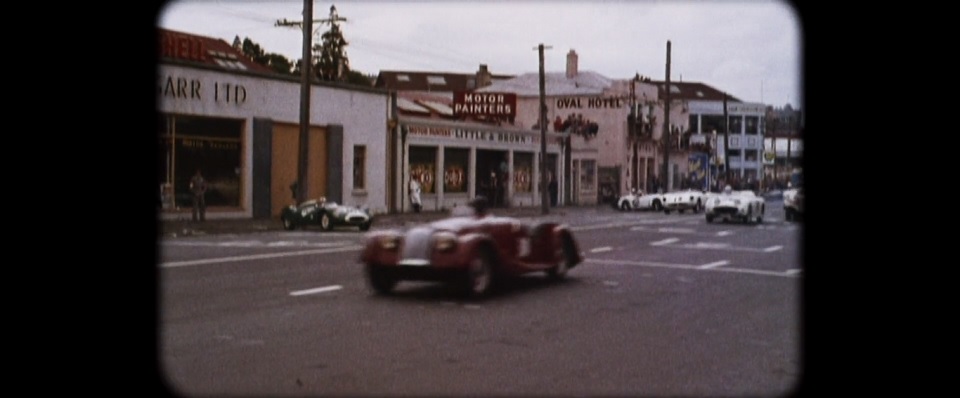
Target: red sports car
column 472, row 250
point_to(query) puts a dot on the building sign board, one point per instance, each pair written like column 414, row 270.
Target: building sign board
column 497, row 105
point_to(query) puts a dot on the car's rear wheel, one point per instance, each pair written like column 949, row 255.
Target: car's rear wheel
column 709, row 218
column 325, row 222
column 657, row 206
column 479, row 275
column 379, row 280
column 365, row 226
column 625, row 206
column 788, row 214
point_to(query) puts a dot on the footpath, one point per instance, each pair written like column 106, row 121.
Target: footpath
column 184, row 228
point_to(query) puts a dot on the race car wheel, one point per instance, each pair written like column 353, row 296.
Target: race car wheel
column 788, row 214
column 479, row 275
column 560, row 270
column 364, row 226
column 379, row 281
column 287, row 224
column 657, row 206
column 709, row 218
column 325, row 223
column 625, row 206
column 666, row 211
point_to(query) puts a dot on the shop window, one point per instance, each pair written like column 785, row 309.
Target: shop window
column 423, row 167
column 455, row 169
column 211, row 145
column 750, row 155
column 694, row 123
column 522, row 172
column 588, row 172
column 359, row 166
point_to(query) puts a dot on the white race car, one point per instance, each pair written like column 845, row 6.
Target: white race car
column 637, row 200
column 690, row 199
column 744, row 206
column 793, row 204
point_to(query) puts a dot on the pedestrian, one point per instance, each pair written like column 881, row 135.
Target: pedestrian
column 415, row 194
column 198, row 186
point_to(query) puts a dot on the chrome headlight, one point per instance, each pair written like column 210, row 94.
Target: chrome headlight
column 444, row 241
column 389, row 242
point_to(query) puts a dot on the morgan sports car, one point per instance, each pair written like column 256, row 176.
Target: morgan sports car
column 324, row 213
column 681, row 201
column 471, row 251
column 743, row 206
column 638, row 200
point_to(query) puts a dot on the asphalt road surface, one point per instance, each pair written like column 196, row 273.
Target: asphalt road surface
column 664, row 305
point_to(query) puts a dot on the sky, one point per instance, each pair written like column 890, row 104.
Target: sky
column 751, row 49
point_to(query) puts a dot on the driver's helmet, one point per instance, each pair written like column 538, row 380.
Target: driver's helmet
column 728, row 189
column 479, row 205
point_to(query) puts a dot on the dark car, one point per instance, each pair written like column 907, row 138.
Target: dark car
column 325, row 214
column 472, row 250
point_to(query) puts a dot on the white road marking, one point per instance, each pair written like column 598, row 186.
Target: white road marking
column 714, row 264
column 793, row 271
column 788, row 274
column 677, row 230
column 772, row 249
column 724, row 233
column 316, row 290
column 257, row 257
column 639, row 228
column 601, row 249
column 256, row 243
column 664, row 242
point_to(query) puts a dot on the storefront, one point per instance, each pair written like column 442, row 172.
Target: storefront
column 457, row 161
column 241, row 129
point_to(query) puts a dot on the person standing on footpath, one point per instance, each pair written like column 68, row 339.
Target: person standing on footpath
column 415, row 193
column 198, row 186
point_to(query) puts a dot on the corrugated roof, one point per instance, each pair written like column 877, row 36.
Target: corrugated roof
column 691, row 91
column 429, row 81
column 410, row 106
column 555, row 84
column 440, row 108
column 186, row 47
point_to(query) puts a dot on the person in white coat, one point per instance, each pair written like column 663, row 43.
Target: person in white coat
column 415, row 194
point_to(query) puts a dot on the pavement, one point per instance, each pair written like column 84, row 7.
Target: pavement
column 182, row 228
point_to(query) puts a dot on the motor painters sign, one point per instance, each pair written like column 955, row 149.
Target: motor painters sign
column 697, row 169
column 496, row 105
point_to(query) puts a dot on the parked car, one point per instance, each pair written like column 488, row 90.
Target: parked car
column 638, row 200
column 472, row 251
column 689, row 199
column 326, row 214
column 743, row 206
column 793, row 204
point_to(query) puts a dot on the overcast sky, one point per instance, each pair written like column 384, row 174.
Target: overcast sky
column 749, row 48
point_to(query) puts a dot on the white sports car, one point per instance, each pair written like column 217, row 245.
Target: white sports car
column 744, row 206
column 793, row 204
column 637, row 200
column 681, row 201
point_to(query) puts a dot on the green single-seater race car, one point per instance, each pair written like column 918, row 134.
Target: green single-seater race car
column 326, row 214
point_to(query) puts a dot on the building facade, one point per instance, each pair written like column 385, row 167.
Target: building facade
column 240, row 124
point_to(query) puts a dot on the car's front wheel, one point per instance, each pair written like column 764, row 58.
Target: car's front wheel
column 325, row 222
column 479, row 275
column 657, row 206
column 380, row 281
column 709, row 217
column 624, row 206
column 560, row 270
column 365, row 226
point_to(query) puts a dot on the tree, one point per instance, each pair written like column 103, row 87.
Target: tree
column 330, row 57
column 277, row 62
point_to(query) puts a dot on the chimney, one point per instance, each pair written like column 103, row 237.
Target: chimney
column 571, row 64
column 483, row 76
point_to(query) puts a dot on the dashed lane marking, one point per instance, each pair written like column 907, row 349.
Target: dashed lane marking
column 787, row 274
column 258, row 257
column 601, row 249
column 316, row 290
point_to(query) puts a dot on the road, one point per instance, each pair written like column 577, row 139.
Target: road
column 664, row 305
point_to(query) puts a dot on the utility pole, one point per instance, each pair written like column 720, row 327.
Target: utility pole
column 544, row 195
column 726, row 139
column 305, row 62
column 666, row 128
